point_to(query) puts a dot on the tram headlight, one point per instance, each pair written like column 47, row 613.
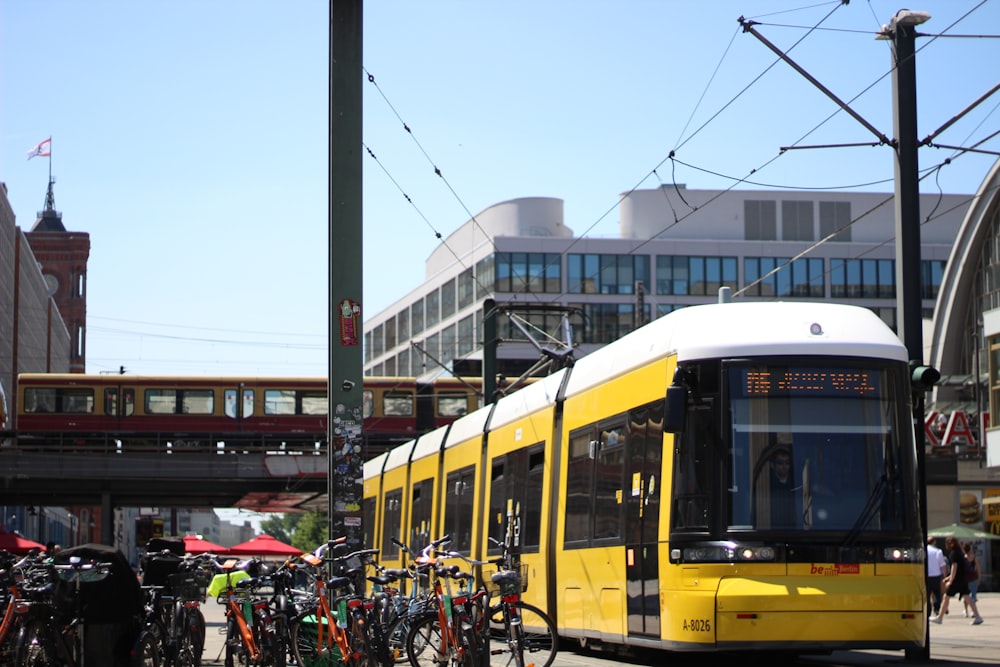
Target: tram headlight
column 902, row 555
column 725, row 553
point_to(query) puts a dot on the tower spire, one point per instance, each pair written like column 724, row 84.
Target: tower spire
column 49, row 219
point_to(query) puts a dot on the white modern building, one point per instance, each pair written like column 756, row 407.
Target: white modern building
column 676, row 248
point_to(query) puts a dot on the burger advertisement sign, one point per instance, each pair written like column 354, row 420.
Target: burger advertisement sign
column 969, row 508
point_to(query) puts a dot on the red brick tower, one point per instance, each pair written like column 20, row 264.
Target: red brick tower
column 63, row 256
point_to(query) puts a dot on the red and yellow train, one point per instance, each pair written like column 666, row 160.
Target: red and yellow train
column 97, row 411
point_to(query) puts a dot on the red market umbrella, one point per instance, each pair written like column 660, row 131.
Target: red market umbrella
column 194, row 544
column 16, row 544
column 263, row 545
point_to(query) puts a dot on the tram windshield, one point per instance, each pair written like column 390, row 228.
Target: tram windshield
column 815, row 448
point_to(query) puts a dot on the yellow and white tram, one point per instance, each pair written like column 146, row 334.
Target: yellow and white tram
column 645, row 485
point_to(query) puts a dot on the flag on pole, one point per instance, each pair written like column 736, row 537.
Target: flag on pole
column 42, row 148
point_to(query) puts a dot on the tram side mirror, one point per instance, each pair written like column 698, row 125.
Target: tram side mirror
column 676, row 413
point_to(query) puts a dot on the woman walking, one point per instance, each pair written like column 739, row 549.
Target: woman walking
column 973, row 569
column 955, row 583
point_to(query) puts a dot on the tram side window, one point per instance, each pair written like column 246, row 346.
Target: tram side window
column 128, row 402
column 609, row 467
column 579, row 483
column 452, row 404
column 420, row 511
column 516, row 498
column 111, row 402
column 459, row 500
column 693, row 472
column 390, row 523
column 368, row 522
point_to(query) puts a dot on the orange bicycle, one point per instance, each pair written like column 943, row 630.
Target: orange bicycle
column 249, row 630
column 340, row 633
column 452, row 632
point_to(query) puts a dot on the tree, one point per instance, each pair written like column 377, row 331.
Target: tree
column 311, row 531
column 281, row 526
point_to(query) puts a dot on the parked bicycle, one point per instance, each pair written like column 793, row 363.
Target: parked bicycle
column 12, row 569
column 345, row 630
column 520, row 634
column 454, row 631
column 397, row 606
column 251, row 635
column 51, row 633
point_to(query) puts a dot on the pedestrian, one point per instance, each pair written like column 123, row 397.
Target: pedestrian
column 973, row 560
column 955, row 583
column 937, row 568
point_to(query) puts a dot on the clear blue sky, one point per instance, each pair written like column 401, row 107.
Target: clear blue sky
column 189, row 138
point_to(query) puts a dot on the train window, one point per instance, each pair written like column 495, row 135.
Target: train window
column 38, row 399
column 197, row 401
column 229, row 403
column 111, row 402
column 579, row 485
column 314, row 403
column 391, row 513
column 248, row 402
column 452, row 404
column 128, row 402
column 459, row 501
column 279, row 402
column 161, row 401
column 367, row 403
column 77, row 401
column 397, row 404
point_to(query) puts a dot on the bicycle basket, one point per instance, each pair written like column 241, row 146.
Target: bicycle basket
column 188, row 585
column 508, row 582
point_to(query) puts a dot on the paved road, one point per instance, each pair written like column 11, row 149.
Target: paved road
column 953, row 643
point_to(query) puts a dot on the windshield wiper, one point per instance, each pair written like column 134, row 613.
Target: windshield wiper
column 869, row 511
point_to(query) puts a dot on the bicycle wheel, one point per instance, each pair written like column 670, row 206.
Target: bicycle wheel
column 32, row 646
column 146, row 652
column 426, row 645
column 395, row 637
column 236, row 653
column 537, row 635
column 191, row 641
column 305, row 644
column 279, row 648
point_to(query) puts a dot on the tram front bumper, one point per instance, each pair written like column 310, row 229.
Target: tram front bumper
column 823, row 612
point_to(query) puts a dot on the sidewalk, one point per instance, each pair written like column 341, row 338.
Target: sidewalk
column 954, row 641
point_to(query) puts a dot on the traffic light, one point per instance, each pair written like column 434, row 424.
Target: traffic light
column 923, row 378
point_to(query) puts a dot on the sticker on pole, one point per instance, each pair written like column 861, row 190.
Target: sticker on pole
column 350, row 322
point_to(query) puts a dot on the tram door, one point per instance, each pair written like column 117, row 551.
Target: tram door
column 642, row 514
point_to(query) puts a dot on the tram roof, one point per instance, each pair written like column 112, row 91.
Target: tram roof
column 744, row 329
